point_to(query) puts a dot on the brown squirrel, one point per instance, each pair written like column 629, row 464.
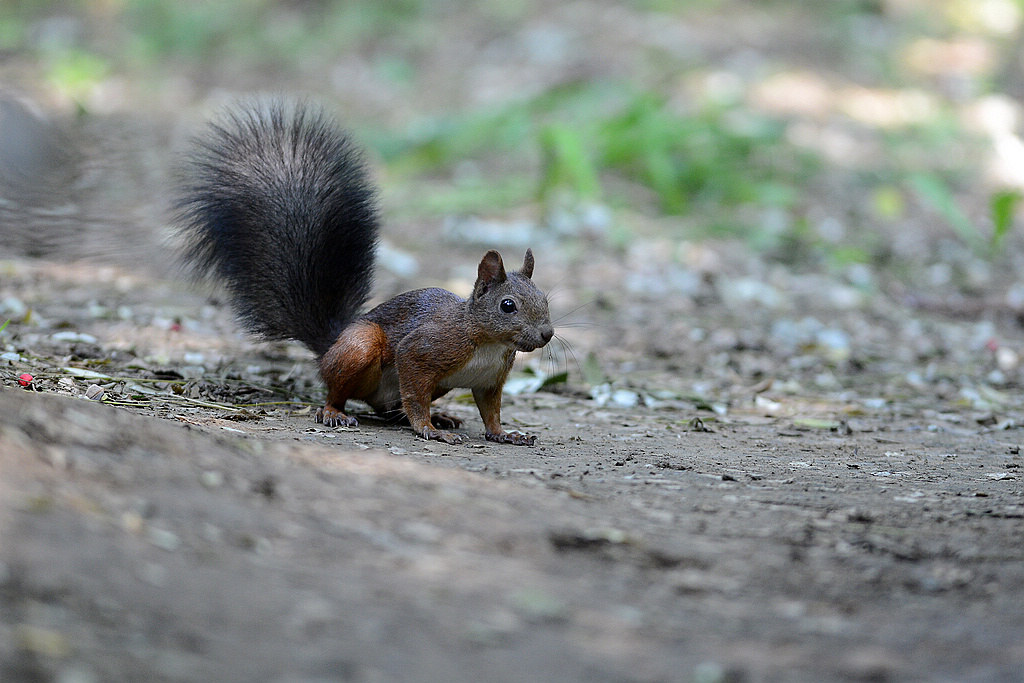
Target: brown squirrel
column 275, row 201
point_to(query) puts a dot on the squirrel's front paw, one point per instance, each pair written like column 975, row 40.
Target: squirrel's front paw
column 514, row 438
column 332, row 417
column 432, row 434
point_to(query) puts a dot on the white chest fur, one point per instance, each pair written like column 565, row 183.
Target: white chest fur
column 483, row 369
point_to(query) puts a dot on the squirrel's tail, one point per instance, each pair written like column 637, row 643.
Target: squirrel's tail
column 275, row 201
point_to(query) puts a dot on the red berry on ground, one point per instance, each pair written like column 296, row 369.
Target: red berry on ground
column 25, row 379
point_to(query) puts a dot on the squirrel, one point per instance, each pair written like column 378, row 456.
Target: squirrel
column 275, row 201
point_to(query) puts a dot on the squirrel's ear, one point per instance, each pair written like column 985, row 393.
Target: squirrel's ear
column 491, row 272
column 527, row 269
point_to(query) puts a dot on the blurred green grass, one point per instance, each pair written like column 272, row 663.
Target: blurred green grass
column 726, row 166
column 590, row 138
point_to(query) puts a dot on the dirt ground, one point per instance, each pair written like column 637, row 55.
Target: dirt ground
column 766, row 533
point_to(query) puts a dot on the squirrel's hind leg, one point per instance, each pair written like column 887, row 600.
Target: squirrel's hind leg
column 439, row 419
column 351, row 368
column 442, row 420
column 329, row 416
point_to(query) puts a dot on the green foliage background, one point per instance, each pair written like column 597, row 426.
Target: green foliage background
column 720, row 164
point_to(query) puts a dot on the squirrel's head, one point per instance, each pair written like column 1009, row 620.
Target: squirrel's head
column 509, row 305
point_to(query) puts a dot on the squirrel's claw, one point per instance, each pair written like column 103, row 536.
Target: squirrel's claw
column 451, row 438
column 331, row 417
column 514, row 438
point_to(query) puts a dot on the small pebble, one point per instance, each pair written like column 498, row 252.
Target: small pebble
column 1007, row 359
column 94, row 392
column 211, row 479
column 537, row 605
column 166, row 540
column 13, row 308
column 194, row 358
column 40, row 641
column 131, row 522
column 70, row 336
column 76, row 674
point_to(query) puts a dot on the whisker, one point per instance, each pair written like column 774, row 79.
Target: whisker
column 555, row 288
column 551, row 362
column 567, row 353
column 578, row 308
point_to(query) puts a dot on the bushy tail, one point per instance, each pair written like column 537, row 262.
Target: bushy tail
column 275, row 201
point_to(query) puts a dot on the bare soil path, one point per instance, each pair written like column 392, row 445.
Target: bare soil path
column 168, row 535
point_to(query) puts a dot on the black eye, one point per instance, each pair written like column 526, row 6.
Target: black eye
column 508, row 306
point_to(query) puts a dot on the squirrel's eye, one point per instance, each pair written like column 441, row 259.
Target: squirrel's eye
column 508, row 306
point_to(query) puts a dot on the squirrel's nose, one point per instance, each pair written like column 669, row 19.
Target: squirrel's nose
column 546, row 333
